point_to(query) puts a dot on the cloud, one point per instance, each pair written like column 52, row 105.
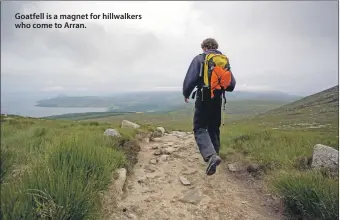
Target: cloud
column 285, row 46
column 53, row 88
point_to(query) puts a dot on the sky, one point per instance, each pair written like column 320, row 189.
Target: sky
column 288, row 46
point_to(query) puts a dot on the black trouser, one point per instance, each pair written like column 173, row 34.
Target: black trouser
column 207, row 122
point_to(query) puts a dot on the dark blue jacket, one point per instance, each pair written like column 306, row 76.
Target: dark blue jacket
column 192, row 78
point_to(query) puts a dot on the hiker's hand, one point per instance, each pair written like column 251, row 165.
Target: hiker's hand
column 186, row 100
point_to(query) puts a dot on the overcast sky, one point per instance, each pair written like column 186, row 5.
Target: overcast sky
column 286, row 46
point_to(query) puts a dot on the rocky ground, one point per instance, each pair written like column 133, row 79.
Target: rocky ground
column 169, row 182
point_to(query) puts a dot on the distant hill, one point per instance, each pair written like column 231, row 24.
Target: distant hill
column 266, row 96
column 154, row 101
column 320, row 109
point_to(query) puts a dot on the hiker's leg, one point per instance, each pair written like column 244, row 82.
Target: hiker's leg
column 214, row 133
column 214, row 124
column 201, row 134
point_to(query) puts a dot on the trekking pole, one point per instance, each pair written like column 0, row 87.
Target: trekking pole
column 192, row 117
column 223, row 114
column 223, row 119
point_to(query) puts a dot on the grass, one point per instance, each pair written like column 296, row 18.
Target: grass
column 274, row 148
column 57, row 169
column 281, row 142
column 308, row 194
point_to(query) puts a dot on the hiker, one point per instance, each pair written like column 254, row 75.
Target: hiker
column 211, row 83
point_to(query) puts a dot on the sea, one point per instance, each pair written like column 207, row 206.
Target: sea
column 28, row 109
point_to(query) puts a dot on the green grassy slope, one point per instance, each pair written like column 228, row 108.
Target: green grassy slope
column 281, row 141
column 319, row 109
column 52, row 169
column 54, row 155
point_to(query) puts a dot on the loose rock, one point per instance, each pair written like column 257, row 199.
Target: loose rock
column 129, row 124
column 193, row 196
column 149, row 169
column 154, row 147
column 112, row 132
column 132, row 216
column 234, row 167
column 164, row 157
column 157, row 152
column 184, row 180
column 168, row 150
column 153, row 161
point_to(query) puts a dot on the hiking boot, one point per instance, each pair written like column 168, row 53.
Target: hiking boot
column 214, row 161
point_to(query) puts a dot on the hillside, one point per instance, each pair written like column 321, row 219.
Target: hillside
column 269, row 150
column 281, row 143
column 314, row 111
column 326, row 101
column 154, row 101
column 54, row 169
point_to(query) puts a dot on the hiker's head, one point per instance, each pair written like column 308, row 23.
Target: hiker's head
column 209, row 44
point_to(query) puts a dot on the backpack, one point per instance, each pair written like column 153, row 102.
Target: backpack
column 215, row 75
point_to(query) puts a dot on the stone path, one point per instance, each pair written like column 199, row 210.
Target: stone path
column 169, row 182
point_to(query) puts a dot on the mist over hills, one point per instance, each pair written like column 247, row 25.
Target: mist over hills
column 154, row 101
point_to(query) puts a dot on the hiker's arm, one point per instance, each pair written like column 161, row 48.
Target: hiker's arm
column 192, row 77
column 232, row 85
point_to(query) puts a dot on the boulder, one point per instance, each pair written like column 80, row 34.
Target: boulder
column 161, row 129
column 112, row 132
column 325, row 157
column 129, row 124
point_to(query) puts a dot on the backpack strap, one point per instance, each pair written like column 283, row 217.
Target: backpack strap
column 201, row 83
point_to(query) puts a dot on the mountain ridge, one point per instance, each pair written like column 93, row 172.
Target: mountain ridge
column 152, row 101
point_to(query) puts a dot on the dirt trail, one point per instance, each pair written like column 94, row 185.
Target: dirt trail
column 155, row 190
